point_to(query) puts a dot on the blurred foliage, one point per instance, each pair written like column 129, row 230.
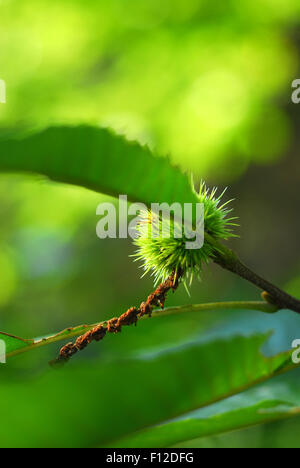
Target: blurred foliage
column 207, row 83
column 199, row 80
column 125, row 395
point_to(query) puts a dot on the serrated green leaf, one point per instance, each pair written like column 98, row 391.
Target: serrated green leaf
column 97, row 159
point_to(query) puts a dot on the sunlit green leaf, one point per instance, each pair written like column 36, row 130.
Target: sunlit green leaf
column 97, row 159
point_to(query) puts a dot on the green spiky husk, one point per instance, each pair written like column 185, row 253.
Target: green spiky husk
column 160, row 256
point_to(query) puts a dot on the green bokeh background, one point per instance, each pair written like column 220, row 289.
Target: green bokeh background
column 207, row 84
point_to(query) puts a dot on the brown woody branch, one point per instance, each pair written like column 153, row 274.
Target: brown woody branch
column 114, row 325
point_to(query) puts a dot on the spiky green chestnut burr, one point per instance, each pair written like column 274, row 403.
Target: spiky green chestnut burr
column 162, row 253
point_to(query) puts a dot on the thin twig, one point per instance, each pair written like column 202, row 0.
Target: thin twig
column 228, row 260
column 73, row 332
column 114, row 325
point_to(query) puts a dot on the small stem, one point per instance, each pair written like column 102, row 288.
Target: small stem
column 73, row 332
column 228, row 260
column 261, row 306
column 130, row 317
column 276, row 295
